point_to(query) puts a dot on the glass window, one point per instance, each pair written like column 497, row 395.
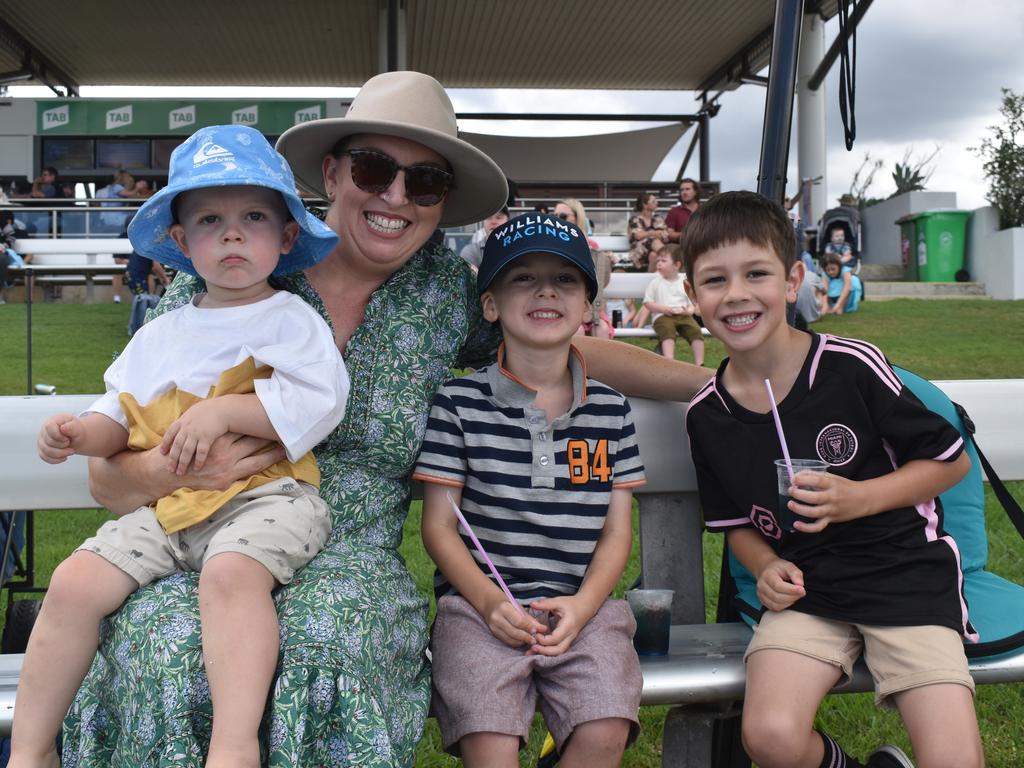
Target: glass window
column 122, row 153
column 68, row 154
column 162, row 149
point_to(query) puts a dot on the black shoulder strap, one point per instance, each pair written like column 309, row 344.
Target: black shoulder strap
column 1013, row 510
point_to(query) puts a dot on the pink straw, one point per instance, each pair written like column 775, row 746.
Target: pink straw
column 778, row 428
column 487, row 559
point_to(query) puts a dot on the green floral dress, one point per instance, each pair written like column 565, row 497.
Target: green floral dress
column 353, row 686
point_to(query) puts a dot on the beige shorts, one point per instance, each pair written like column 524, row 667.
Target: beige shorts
column 899, row 658
column 481, row 684
column 281, row 525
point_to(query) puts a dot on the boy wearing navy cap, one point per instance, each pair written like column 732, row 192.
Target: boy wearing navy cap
column 543, row 461
column 241, row 358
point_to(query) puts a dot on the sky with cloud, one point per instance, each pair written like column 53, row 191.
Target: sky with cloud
column 929, row 74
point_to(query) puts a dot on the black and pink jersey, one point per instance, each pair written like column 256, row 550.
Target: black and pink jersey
column 849, row 408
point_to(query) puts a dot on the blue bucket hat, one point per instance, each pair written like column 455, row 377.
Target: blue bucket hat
column 536, row 233
column 220, row 156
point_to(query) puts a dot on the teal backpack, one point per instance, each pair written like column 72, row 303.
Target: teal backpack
column 996, row 605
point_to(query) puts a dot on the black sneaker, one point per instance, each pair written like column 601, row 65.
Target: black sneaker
column 889, row 756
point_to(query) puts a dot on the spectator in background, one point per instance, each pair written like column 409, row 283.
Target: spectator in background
column 473, row 251
column 670, row 307
column 117, row 190
column 843, row 291
column 120, row 189
column 598, row 324
column 679, row 215
column 647, row 232
column 46, row 184
column 142, row 189
column 837, row 244
column 807, row 308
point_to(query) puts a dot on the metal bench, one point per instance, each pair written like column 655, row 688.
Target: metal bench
column 71, row 261
column 703, row 675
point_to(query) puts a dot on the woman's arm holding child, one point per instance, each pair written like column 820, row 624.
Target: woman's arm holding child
column 836, row 499
column 779, row 582
column 603, row 573
column 440, row 532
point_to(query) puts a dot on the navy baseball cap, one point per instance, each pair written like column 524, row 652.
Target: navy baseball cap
column 536, row 233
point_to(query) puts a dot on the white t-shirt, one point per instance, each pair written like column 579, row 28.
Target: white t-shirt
column 668, row 293
column 190, row 347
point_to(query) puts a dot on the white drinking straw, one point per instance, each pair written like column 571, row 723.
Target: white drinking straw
column 487, row 559
column 778, row 428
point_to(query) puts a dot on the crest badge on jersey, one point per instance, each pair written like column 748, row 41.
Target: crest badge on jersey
column 836, row 444
column 765, row 522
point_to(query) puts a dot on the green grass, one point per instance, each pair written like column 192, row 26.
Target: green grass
column 949, row 339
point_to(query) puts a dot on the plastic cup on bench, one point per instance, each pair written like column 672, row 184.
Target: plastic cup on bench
column 652, row 609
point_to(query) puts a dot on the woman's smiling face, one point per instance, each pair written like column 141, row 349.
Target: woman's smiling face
column 383, row 228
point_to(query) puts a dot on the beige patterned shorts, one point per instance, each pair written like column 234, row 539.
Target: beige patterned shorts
column 281, row 525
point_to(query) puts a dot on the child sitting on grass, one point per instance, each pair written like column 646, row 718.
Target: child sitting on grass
column 543, row 461
column 242, row 358
column 874, row 570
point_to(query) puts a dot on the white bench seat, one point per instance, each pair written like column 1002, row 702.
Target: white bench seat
column 703, row 671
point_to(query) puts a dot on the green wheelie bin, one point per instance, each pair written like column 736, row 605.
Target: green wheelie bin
column 941, row 236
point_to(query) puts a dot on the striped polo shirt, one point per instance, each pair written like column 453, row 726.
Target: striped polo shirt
column 535, row 493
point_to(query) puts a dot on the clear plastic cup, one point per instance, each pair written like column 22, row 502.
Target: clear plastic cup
column 785, row 516
column 652, row 609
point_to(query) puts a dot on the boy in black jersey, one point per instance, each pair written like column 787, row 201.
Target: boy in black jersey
column 875, row 571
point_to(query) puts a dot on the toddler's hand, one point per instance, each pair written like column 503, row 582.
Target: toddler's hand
column 510, row 626
column 188, row 440
column 780, row 585
column 571, row 619
column 57, row 438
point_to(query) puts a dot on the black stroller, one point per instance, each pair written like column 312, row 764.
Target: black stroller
column 846, row 218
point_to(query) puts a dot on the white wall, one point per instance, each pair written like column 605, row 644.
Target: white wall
column 17, row 127
column 998, row 262
column 882, row 234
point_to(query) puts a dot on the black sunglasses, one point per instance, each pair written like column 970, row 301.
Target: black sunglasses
column 373, row 172
column 564, row 216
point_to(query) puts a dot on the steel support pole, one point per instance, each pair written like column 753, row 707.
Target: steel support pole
column 778, row 104
column 705, row 146
column 810, row 133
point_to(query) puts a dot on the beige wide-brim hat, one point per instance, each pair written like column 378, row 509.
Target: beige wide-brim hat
column 409, row 105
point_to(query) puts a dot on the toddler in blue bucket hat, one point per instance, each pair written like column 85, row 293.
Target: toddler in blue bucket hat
column 241, row 358
column 543, row 461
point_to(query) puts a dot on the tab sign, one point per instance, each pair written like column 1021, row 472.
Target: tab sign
column 181, row 117
column 246, row 116
column 119, row 118
column 56, row 117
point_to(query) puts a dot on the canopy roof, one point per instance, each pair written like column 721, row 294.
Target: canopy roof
column 608, row 44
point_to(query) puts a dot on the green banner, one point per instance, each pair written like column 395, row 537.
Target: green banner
column 169, row 117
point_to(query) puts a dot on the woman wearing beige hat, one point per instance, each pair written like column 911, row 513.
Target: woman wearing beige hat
column 353, row 687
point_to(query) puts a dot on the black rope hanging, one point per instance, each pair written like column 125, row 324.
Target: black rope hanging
column 848, row 72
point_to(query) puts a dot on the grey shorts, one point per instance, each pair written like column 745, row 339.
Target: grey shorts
column 482, row 685
column 899, row 658
column 281, row 525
